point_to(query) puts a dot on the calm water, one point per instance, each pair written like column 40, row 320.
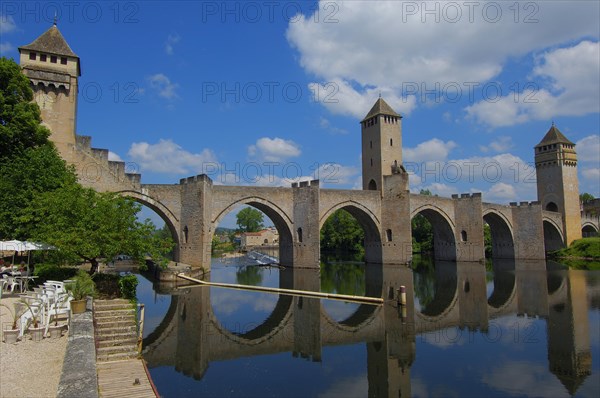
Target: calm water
column 468, row 330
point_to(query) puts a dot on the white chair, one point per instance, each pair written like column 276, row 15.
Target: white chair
column 61, row 305
column 11, row 282
column 34, row 309
column 2, row 283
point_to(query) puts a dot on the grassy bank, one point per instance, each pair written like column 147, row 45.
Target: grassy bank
column 582, row 254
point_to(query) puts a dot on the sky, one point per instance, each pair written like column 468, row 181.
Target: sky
column 267, row 93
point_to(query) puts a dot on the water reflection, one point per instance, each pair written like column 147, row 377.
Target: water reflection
column 466, row 330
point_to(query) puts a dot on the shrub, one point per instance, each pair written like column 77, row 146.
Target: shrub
column 53, row 272
column 128, row 286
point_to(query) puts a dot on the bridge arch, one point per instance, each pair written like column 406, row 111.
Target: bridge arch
column 444, row 241
column 281, row 220
column 367, row 220
column 503, row 245
column 170, row 219
column 553, row 237
column 588, row 229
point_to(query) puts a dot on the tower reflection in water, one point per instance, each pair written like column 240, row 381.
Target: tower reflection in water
column 448, row 303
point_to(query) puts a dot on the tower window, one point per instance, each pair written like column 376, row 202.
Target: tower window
column 53, row 59
column 463, row 236
column 371, row 144
column 43, row 57
column 391, row 142
column 388, row 234
column 63, row 60
column 371, row 162
column 300, row 235
column 32, row 56
column 372, row 185
column 551, row 206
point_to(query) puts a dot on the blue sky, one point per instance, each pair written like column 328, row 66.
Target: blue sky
column 268, row 92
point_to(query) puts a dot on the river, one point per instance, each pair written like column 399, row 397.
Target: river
column 467, row 330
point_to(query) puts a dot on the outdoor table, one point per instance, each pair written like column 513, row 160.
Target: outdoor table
column 24, row 281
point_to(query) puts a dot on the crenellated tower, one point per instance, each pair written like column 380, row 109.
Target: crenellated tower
column 557, row 182
column 381, row 132
column 53, row 70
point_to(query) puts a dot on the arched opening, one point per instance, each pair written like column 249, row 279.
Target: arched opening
column 164, row 222
column 433, row 235
column 551, row 206
column 503, row 286
column 589, row 231
column 350, row 240
column 247, row 239
column 552, row 237
column 497, row 237
column 435, row 286
column 372, row 185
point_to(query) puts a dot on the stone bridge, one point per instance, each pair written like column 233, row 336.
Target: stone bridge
column 191, row 336
column 193, row 209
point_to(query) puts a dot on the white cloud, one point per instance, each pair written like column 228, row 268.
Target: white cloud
column 6, row 47
column 274, row 149
column 326, row 125
column 163, row 85
column 500, row 193
column 588, row 149
column 366, row 45
column 502, row 144
column 7, row 24
column 114, row 157
column 340, row 97
column 356, row 386
column 568, row 86
column 591, row 173
column 172, row 39
column 524, row 377
column 168, row 157
column 432, row 150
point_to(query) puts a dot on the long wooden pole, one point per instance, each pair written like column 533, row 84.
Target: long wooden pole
column 292, row 292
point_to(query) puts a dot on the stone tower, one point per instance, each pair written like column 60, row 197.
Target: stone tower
column 381, row 133
column 557, row 182
column 53, row 70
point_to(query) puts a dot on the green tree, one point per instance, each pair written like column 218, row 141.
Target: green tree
column 20, row 118
column 29, row 163
column 586, row 197
column 342, row 232
column 84, row 224
column 249, row 220
column 250, row 275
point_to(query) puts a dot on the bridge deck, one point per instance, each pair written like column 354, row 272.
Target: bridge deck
column 118, row 379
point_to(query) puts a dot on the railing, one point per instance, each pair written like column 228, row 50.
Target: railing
column 140, row 326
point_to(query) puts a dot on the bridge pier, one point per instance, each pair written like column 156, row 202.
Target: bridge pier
column 307, row 235
column 468, row 215
column 472, row 293
column 196, row 223
column 528, row 230
column 396, row 238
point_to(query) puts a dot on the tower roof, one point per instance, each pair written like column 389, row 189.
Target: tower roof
column 554, row 136
column 380, row 108
column 51, row 41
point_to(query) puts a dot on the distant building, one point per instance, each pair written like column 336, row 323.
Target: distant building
column 266, row 237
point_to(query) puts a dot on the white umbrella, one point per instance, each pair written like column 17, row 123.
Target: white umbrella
column 21, row 246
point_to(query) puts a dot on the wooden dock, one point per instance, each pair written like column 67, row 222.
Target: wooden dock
column 126, row 378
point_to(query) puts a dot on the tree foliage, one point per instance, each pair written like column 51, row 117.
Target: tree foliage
column 342, row 232
column 586, row 197
column 20, row 120
column 249, row 220
column 84, row 224
column 29, row 163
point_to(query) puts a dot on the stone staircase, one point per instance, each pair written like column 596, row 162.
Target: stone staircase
column 115, row 328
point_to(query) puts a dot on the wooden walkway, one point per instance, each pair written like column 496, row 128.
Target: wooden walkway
column 124, row 379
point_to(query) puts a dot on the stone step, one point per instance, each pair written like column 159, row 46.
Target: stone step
column 117, row 349
column 117, row 342
column 115, row 314
column 116, row 357
column 123, row 325
column 116, row 334
column 110, row 303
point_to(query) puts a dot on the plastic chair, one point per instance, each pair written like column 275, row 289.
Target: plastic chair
column 2, row 283
column 35, row 309
column 11, row 283
column 61, row 306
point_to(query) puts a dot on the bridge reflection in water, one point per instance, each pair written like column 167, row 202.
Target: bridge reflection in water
column 455, row 304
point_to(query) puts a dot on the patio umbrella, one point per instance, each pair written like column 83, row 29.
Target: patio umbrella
column 21, row 246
